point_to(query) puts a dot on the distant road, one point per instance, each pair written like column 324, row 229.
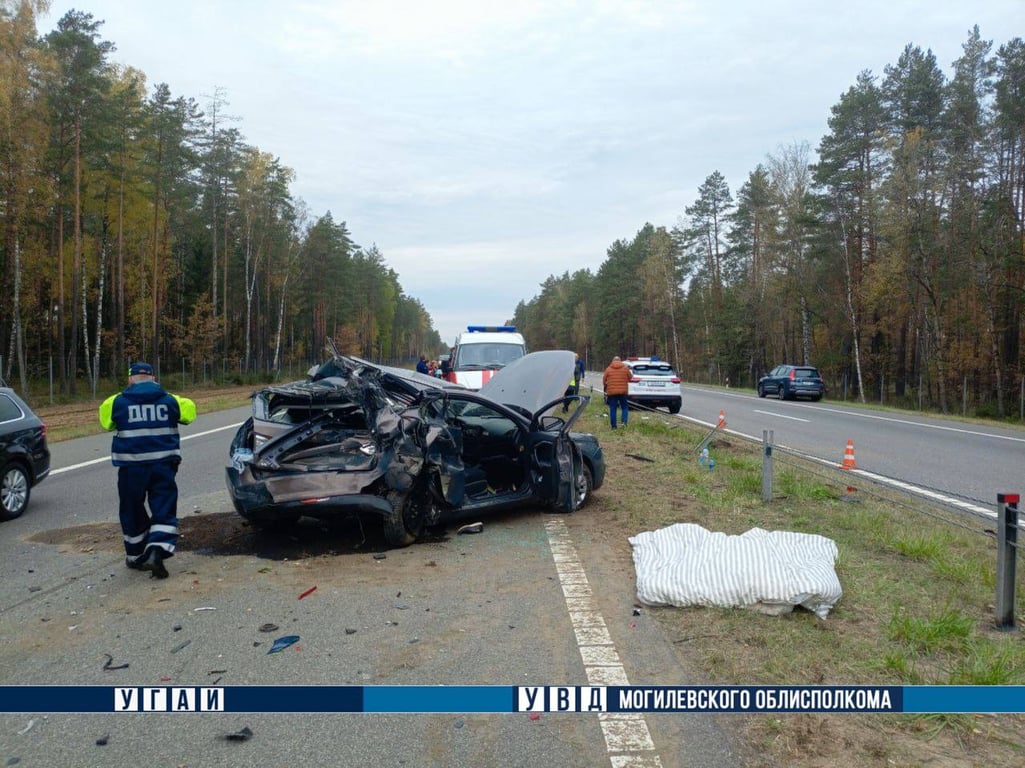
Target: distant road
column 971, row 461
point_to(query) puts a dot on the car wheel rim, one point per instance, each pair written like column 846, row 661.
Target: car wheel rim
column 583, row 488
column 15, row 488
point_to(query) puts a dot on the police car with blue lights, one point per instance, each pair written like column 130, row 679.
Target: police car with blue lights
column 482, row 350
column 654, row 384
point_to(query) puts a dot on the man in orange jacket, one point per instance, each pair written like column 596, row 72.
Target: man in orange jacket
column 616, row 383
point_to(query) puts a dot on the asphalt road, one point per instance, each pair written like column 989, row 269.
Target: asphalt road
column 481, row 609
column 967, row 461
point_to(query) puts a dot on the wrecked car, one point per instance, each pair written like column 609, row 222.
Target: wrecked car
column 366, row 439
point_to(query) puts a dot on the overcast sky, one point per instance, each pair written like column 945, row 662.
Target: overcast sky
column 483, row 146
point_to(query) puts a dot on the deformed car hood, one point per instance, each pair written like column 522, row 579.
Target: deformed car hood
column 533, row 380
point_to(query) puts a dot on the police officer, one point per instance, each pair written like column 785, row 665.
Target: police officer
column 147, row 451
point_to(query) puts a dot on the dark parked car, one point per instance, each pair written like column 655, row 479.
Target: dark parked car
column 24, row 455
column 359, row 438
column 789, row 382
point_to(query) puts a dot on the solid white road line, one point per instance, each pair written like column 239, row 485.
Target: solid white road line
column 627, row 738
column 107, row 458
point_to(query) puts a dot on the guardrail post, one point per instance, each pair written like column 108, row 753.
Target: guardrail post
column 767, row 436
column 1007, row 544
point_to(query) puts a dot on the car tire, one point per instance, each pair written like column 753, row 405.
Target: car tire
column 585, row 485
column 15, row 489
column 675, row 407
column 761, row 391
column 816, row 398
column 781, row 393
column 406, row 523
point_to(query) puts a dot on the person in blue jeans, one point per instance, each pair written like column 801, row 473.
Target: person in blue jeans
column 616, row 383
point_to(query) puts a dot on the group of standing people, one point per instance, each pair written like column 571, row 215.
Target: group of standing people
column 431, row 367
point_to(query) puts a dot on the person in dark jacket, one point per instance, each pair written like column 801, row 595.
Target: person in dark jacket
column 146, row 450
column 422, row 367
column 616, row 383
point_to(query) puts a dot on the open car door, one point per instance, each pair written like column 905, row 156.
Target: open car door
column 555, row 461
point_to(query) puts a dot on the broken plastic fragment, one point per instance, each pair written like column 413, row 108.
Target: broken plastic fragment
column 309, row 591
column 268, row 627
column 109, row 664
column 471, row 528
column 244, row 735
column 283, row 642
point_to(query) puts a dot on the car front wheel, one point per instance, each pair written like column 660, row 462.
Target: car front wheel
column 15, row 489
column 761, row 391
column 585, row 484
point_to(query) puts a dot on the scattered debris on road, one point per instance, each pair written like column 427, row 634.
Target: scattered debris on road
column 109, row 664
column 244, row 735
column 283, row 642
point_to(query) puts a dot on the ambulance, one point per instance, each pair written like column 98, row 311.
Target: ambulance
column 481, row 350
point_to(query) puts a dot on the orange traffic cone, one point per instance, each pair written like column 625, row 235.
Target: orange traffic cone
column 722, row 419
column 848, row 457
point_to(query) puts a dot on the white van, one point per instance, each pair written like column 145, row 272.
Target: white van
column 481, row 350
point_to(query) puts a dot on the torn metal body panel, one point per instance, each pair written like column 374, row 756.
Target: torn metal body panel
column 359, row 438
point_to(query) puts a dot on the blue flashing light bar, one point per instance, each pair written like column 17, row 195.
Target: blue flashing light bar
column 491, row 328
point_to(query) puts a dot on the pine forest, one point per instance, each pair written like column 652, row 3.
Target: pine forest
column 892, row 258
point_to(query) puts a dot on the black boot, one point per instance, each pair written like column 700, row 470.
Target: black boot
column 154, row 563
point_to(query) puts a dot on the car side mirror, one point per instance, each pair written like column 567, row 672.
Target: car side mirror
column 551, row 423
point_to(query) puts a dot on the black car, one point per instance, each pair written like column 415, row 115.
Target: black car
column 789, row 382
column 359, row 438
column 24, row 455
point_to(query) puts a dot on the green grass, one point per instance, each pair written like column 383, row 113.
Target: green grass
column 919, row 583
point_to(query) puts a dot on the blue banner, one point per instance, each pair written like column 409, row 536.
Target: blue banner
column 498, row 699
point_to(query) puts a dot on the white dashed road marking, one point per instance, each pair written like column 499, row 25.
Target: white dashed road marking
column 627, row 738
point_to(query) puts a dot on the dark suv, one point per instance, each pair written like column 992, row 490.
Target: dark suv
column 789, row 382
column 24, row 456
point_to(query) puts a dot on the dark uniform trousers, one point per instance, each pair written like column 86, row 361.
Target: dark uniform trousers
column 143, row 531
